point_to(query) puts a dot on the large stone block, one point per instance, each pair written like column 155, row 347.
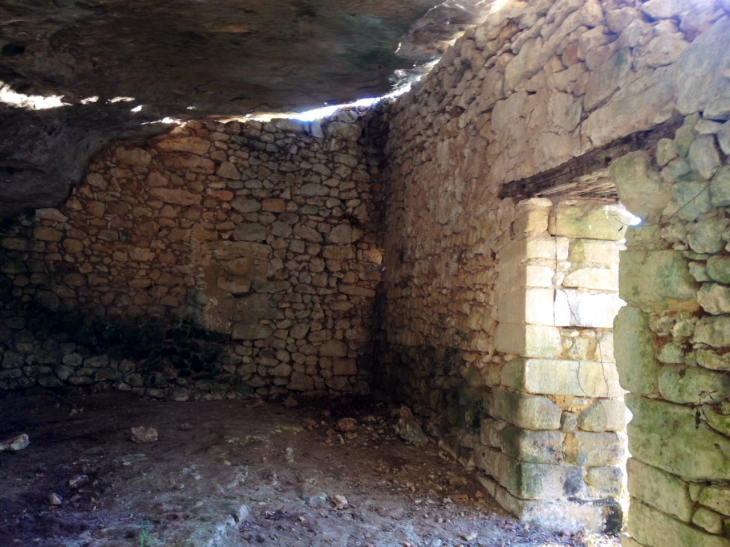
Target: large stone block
column 535, row 481
column 594, row 251
column 604, row 415
column 713, row 331
column 527, row 305
column 660, row 489
column 532, row 446
column 698, row 72
column 594, row 449
column 653, row 528
column 657, row 279
column 589, row 221
column 563, row 515
column 683, row 385
column 574, row 308
column 717, row 498
column 528, row 340
column 525, row 411
column 592, row 278
column 634, row 351
column 668, row 436
column 558, row 377
column 640, row 188
column 534, row 247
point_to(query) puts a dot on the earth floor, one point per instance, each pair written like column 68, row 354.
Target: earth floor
column 238, row 473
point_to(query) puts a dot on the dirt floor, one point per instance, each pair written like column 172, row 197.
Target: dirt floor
column 237, row 473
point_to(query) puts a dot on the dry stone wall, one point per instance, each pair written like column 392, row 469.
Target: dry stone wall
column 672, row 338
column 222, row 259
column 534, row 86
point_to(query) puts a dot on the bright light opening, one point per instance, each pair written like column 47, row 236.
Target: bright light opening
column 30, row 102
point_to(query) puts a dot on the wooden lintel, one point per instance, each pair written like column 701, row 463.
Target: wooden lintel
column 589, row 162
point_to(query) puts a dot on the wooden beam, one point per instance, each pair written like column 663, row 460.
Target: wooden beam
column 590, row 162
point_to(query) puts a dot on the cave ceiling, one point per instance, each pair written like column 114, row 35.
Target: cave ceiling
column 96, row 62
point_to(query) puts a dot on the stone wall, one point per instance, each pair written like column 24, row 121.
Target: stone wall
column 535, row 86
column 672, row 338
column 222, row 258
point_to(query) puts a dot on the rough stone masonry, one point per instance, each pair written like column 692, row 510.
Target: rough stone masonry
column 219, row 260
column 248, row 258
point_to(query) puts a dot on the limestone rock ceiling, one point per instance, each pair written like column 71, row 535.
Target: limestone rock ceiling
column 188, row 59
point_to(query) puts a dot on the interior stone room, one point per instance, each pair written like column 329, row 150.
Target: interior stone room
column 488, row 306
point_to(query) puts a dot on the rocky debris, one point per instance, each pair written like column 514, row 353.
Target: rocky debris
column 54, row 500
column 19, row 442
column 345, row 425
column 408, row 428
column 142, row 435
column 78, row 481
column 187, row 426
column 339, row 501
column 291, row 402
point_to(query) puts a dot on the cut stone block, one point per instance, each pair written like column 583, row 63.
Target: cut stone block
column 582, row 309
column 554, row 377
column 589, row 221
column 528, row 340
column 605, row 415
column 657, row 279
column 592, row 278
column 594, row 449
column 525, row 411
column 659, row 489
column 535, row 481
column 534, row 247
column 604, row 482
column 653, row 528
column 564, row 515
column 527, row 305
column 532, row 446
column 594, row 251
column 667, row 435
column 634, row 349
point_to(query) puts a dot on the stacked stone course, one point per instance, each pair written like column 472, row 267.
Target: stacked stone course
column 470, row 325
column 260, row 234
column 672, row 338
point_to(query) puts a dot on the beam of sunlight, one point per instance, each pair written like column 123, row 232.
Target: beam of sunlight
column 30, row 102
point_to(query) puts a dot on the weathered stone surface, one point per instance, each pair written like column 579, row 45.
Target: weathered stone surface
column 193, row 145
column 706, row 83
column 551, row 377
column 717, row 498
column 532, row 446
column 607, row 222
column 654, row 529
column 639, row 187
column 659, row 279
column 528, row 340
column 714, row 298
column 666, row 435
column 692, row 385
column 248, row 331
column 175, row 196
column 703, row 156
column 713, row 331
column 594, row 449
column 527, row 412
column 634, row 351
column 604, row 415
column 659, row 489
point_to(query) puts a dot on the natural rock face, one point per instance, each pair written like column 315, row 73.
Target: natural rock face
column 182, row 60
column 223, row 259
